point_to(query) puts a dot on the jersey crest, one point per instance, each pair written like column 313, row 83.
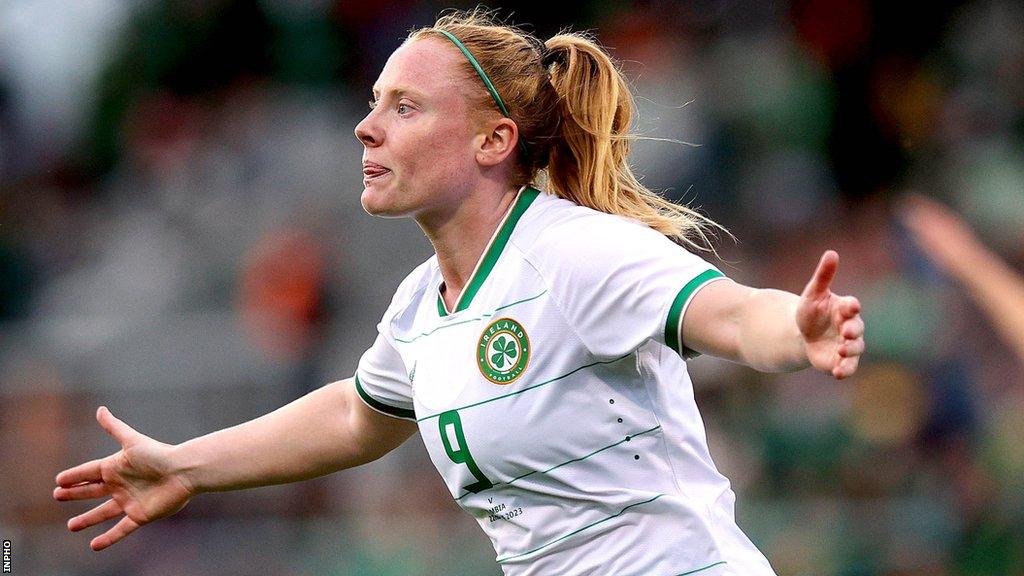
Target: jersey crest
column 503, row 351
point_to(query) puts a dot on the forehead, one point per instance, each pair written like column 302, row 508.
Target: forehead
column 429, row 66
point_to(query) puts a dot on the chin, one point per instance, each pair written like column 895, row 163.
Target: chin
column 376, row 204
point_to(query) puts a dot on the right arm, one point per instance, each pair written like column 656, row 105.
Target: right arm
column 324, row 431
column 327, row 430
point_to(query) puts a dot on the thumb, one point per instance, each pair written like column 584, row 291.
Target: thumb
column 121, row 432
column 818, row 287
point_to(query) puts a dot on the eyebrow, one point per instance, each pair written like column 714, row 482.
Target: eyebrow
column 398, row 92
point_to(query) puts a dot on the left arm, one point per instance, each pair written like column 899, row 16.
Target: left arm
column 776, row 331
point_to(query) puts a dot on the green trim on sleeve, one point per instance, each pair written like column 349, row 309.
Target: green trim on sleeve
column 381, row 407
column 675, row 313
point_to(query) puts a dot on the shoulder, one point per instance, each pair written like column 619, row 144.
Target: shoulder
column 560, row 234
column 412, row 288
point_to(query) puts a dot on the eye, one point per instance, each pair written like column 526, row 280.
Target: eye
column 372, row 103
column 403, row 108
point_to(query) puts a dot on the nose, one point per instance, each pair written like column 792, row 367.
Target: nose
column 368, row 132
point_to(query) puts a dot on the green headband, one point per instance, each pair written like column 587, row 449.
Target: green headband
column 479, row 70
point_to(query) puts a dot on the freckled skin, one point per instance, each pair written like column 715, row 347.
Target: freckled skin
column 429, row 145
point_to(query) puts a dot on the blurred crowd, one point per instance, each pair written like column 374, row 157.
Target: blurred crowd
column 181, row 240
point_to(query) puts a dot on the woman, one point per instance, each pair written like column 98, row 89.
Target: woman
column 540, row 351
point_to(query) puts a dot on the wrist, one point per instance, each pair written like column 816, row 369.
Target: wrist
column 771, row 339
column 185, row 467
column 801, row 352
column 802, row 356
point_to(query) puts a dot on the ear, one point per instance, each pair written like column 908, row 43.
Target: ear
column 498, row 143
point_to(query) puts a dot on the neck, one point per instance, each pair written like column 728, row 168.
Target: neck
column 460, row 237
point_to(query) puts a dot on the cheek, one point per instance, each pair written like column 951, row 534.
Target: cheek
column 431, row 161
column 445, row 155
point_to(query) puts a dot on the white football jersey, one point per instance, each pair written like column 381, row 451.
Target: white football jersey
column 554, row 398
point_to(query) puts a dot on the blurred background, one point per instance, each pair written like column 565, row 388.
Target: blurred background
column 181, row 240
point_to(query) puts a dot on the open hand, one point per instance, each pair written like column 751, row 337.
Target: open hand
column 831, row 326
column 139, row 480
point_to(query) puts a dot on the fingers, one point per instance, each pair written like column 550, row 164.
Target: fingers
column 845, row 367
column 82, row 491
column 102, row 513
column 849, row 307
column 851, row 348
column 90, row 471
column 830, row 322
column 853, row 328
column 122, row 432
column 123, row 528
column 818, row 287
column 87, row 472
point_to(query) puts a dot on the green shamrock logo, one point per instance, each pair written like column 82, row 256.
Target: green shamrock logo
column 503, row 351
column 503, row 347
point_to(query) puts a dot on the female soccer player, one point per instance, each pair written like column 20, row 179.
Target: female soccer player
column 540, row 352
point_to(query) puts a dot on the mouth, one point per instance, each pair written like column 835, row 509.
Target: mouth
column 373, row 171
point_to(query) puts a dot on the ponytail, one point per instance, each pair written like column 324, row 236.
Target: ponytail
column 589, row 161
column 574, row 111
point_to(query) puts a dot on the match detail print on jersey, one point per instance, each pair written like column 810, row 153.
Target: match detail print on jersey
column 503, row 351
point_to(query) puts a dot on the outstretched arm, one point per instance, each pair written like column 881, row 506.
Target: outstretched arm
column 326, row 430
column 996, row 288
column 776, row 331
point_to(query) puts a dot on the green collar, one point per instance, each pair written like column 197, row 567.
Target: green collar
column 491, row 253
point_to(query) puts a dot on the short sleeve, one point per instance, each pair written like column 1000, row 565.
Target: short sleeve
column 621, row 284
column 382, row 382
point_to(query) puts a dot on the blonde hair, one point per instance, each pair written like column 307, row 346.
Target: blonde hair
column 574, row 110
